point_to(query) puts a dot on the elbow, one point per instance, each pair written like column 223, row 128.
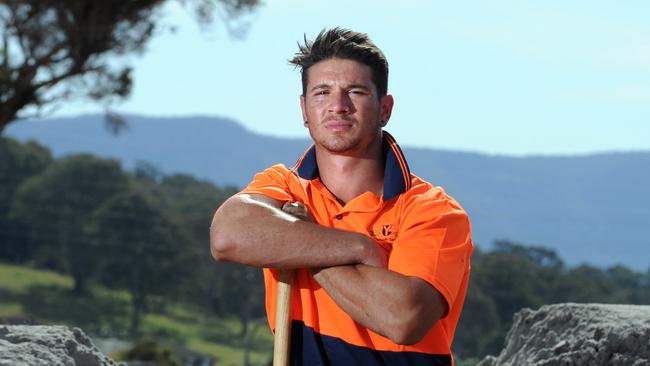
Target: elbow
column 221, row 244
column 416, row 318
column 408, row 331
column 235, row 233
column 407, row 340
column 218, row 245
column 419, row 311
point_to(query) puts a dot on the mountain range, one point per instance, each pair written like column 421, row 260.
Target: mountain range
column 588, row 208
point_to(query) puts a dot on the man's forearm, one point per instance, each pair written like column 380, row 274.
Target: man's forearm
column 398, row 307
column 254, row 230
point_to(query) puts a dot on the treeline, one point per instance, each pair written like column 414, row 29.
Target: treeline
column 137, row 230
column 147, row 232
column 512, row 276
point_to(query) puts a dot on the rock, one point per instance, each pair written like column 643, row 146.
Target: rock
column 577, row 335
column 40, row 345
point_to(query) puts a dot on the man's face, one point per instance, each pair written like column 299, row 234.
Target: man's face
column 341, row 107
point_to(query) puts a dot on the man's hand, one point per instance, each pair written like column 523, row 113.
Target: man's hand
column 376, row 257
column 298, row 210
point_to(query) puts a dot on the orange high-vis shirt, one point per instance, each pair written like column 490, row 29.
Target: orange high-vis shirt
column 425, row 232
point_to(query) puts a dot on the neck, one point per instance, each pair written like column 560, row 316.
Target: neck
column 350, row 176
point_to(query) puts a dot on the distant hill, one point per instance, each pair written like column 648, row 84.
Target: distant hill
column 591, row 208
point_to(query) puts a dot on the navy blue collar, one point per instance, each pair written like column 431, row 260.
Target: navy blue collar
column 397, row 176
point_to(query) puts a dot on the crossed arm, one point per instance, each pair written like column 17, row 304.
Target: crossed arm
column 255, row 230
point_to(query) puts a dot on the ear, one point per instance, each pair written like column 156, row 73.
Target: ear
column 304, row 111
column 386, row 109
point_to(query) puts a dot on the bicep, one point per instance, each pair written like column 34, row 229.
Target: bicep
column 245, row 207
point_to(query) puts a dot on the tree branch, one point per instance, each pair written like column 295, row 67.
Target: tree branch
column 70, row 73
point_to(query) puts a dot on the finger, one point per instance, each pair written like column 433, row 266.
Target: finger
column 294, row 208
column 298, row 210
column 293, row 205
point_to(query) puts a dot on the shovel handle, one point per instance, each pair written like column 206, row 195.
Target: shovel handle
column 282, row 338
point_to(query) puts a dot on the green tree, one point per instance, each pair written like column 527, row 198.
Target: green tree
column 149, row 350
column 18, row 161
column 226, row 289
column 53, row 51
column 510, row 277
column 539, row 256
column 584, row 283
column 57, row 206
column 624, row 277
column 479, row 330
column 510, row 281
column 143, row 251
column 190, row 203
column 513, row 276
column 243, row 292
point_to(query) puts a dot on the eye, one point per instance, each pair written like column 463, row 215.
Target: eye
column 357, row 91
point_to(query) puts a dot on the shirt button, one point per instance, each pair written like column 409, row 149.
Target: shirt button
column 339, row 217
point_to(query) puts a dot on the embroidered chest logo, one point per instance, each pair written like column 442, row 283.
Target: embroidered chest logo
column 383, row 232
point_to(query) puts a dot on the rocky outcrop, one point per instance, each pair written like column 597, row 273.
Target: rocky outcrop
column 39, row 345
column 577, row 335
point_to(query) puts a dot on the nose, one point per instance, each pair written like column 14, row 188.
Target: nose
column 340, row 103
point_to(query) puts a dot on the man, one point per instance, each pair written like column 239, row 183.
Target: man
column 381, row 256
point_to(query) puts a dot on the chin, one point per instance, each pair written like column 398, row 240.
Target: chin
column 340, row 145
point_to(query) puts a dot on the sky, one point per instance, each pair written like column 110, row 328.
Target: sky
column 497, row 77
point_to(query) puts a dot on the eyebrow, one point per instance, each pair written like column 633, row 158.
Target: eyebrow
column 320, row 86
column 351, row 86
column 359, row 86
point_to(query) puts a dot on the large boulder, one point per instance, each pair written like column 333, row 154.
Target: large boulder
column 576, row 335
column 40, row 345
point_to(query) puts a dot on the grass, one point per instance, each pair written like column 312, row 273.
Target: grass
column 10, row 310
column 19, row 279
column 228, row 355
column 46, row 297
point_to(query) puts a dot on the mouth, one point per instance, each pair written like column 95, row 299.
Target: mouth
column 338, row 125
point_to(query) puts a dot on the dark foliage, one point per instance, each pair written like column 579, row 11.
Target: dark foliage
column 139, row 247
column 56, row 207
column 514, row 276
column 150, row 350
column 53, row 51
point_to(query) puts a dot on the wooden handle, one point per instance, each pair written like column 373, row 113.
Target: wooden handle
column 282, row 340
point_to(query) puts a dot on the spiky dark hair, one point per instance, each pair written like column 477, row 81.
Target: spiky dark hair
column 346, row 44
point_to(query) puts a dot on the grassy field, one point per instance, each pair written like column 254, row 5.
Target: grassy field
column 45, row 297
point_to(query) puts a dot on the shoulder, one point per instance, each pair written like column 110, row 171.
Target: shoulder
column 280, row 169
column 424, row 193
column 277, row 177
column 426, row 209
column 429, row 205
column 275, row 173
